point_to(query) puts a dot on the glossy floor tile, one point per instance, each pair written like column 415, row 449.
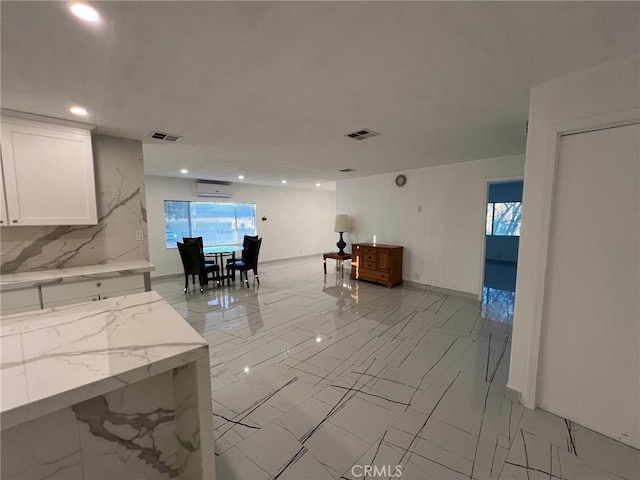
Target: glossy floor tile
column 320, row 377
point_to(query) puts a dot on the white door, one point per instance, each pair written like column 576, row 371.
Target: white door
column 589, row 368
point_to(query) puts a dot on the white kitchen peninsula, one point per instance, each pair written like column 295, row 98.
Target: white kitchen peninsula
column 113, row 389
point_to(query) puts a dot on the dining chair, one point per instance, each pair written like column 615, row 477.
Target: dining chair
column 193, row 264
column 249, row 261
column 200, row 242
column 245, row 243
column 197, row 240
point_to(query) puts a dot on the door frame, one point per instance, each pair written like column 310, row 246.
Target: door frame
column 552, row 136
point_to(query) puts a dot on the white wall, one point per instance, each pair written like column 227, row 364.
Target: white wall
column 597, row 96
column 299, row 222
column 443, row 244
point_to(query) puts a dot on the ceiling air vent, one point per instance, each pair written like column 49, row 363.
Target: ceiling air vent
column 362, row 134
column 167, row 137
column 348, row 170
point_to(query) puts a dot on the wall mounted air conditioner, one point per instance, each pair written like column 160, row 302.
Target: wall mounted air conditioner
column 208, row 189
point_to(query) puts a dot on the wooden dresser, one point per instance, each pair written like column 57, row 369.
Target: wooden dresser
column 377, row 263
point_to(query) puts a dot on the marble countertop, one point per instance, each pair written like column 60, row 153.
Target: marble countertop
column 55, row 358
column 15, row 281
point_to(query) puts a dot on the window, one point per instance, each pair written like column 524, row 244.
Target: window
column 504, row 218
column 216, row 223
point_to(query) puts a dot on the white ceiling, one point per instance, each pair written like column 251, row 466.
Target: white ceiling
column 269, row 89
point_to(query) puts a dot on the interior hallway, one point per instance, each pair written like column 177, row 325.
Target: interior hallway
column 313, row 375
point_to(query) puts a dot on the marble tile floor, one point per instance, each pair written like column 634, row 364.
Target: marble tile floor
column 320, row 377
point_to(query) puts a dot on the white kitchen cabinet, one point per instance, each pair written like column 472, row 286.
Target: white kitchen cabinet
column 48, row 174
column 91, row 290
column 21, row 300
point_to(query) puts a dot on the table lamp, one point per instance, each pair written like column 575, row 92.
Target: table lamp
column 342, row 225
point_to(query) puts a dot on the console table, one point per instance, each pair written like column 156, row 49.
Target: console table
column 377, row 263
column 339, row 257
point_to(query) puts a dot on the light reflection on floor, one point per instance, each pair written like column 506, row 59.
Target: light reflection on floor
column 497, row 305
column 498, row 293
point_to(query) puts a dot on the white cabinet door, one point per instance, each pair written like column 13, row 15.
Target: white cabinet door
column 48, row 173
column 18, row 301
column 71, row 301
column 88, row 290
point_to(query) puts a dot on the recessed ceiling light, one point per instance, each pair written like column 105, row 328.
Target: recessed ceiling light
column 85, row 12
column 78, row 110
column 317, row 184
column 283, row 181
column 240, row 177
column 184, row 170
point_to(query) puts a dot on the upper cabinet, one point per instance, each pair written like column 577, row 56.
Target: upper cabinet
column 48, row 174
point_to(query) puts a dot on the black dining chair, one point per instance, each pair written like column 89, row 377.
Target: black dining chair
column 200, row 242
column 248, row 262
column 245, row 243
column 197, row 240
column 193, row 264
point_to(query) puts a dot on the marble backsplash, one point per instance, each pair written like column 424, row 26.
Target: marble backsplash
column 121, row 201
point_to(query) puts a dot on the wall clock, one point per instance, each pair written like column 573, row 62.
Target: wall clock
column 401, row 180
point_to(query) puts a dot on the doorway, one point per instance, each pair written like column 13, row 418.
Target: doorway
column 502, row 240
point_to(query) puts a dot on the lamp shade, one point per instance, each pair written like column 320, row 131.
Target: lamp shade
column 342, row 223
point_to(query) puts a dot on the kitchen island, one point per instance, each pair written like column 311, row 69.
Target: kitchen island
column 118, row 388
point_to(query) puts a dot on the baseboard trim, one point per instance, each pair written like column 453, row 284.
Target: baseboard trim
column 446, row 291
column 167, row 276
column 288, row 259
column 265, row 262
column 512, row 395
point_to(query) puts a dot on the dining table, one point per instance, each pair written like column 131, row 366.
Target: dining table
column 217, row 255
